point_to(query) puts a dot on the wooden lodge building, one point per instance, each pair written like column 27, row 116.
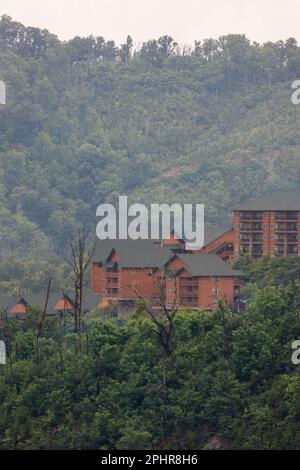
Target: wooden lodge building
column 268, row 226
column 219, row 241
column 58, row 304
column 124, row 270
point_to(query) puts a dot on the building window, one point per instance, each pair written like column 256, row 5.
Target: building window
column 216, row 279
column 215, row 290
column 215, row 302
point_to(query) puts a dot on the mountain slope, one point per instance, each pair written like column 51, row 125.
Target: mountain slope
column 86, row 121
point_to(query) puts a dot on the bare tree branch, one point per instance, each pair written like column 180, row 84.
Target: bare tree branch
column 79, row 258
column 41, row 323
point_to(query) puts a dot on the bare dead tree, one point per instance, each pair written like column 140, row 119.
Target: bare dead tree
column 163, row 315
column 41, row 322
column 79, row 255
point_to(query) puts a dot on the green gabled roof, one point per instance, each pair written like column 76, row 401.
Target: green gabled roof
column 132, row 253
column 203, row 265
column 90, row 300
column 212, row 233
column 274, row 201
column 147, row 254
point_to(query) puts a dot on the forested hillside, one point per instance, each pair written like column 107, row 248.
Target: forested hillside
column 230, row 385
column 87, row 120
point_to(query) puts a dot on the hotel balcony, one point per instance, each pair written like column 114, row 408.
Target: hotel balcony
column 292, row 250
column 185, row 293
column 292, row 216
column 245, row 228
column 286, row 216
column 245, row 240
column 280, row 228
column 112, row 292
column 112, row 284
column 189, row 302
column 111, row 273
column 280, row 216
column 257, row 216
column 248, row 216
column 292, row 228
column 112, row 279
column 279, row 251
column 188, row 283
column 245, row 216
column 245, row 250
column 188, row 290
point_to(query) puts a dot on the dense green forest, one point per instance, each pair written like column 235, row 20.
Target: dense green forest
column 87, row 120
column 230, row 383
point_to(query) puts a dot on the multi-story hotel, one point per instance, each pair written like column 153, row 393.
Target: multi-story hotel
column 123, row 270
column 268, row 226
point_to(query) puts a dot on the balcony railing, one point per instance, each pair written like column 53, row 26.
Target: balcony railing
column 292, row 216
column 112, row 292
column 245, row 216
column 292, row 228
column 111, row 273
column 189, row 301
column 286, row 216
column 280, row 228
column 257, row 252
column 112, row 279
column 184, row 283
column 257, row 216
column 187, row 289
column 245, row 228
column 244, row 250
